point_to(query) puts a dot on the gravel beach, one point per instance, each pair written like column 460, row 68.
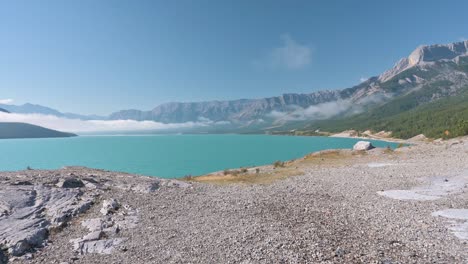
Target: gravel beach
column 380, row 206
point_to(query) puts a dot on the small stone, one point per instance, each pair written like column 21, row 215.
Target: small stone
column 109, row 206
column 339, row 252
column 112, row 230
column 28, row 256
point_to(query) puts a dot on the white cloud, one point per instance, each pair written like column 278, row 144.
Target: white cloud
column 462, row 38
column 291, row 55
column 363, row 79
column 6, row 101
column 84, row 126
column 314, row 112
column 327, row 110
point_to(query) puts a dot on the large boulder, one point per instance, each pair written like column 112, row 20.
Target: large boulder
column 70, row 183
column 3, row 257
column 362, row 146
column 418, row 138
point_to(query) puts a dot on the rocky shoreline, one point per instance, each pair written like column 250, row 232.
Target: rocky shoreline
column 381, row 206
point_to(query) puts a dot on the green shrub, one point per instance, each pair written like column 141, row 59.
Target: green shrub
column 278, row 164
column 462, row 127
column 231, row 172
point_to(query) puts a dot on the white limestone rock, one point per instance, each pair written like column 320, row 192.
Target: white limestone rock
column 146, row 187
column 99, row 246
column 30, row 211
column 93, row 236
column 109, row 207
column 94, row 224
column 418, row 138
column 363, row 145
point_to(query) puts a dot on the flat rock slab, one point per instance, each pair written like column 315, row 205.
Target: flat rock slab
column 437, row 188
column 458, row 221
column 99, row 247
column 30, row 211
column 379, row 165
column 407, row 195
column 103, row 231
column 95, row 224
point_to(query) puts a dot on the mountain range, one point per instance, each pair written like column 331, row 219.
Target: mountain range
column 432, row 75
column 39, row 109
column 444, row 66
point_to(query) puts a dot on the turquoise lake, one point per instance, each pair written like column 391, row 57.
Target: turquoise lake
column 167, row 156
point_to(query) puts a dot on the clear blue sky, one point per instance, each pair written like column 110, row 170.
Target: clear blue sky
column 93, row 56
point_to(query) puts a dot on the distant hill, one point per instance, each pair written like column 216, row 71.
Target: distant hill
column 3, row 110
column 23, row 130
column 39, row 109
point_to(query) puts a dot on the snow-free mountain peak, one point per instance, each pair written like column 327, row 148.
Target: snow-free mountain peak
column 427, row 54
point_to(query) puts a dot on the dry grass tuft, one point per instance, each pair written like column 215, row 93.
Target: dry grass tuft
column 279, row 170
column 266, row 177
column 324, row 158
